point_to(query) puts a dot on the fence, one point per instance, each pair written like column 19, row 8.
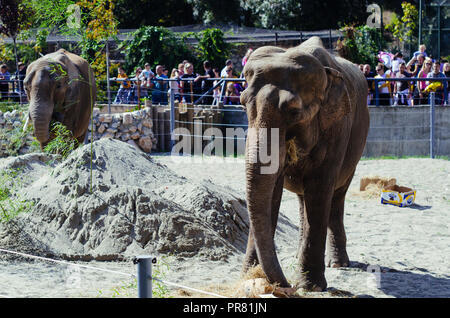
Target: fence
column 410, row 95
column 222, row 122
column 143, row 273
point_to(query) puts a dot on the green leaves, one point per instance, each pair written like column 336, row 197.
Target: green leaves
column 156, row 45
column 63, row 143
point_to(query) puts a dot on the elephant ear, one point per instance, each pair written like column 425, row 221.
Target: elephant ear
column 336, row 103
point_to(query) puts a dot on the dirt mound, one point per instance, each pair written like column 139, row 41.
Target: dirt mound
column 127, row 205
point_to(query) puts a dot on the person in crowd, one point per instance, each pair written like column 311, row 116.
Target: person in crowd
column 180, row 83
column 361, row 67
column 207, row 84
column 191, row 88
column 420, row 96
column 147, row 75
column 415, row 65
column 231, row 95
column 135, row 83
column 446, row 71
column 20, row 75
column 4, row 81
column 384, row 88
column 175, row 84
column 160, row 87
column 422, row 50
column 228, row 65
column 216, row 92
column 437, row 87
column 396, row 61
column 124, row 88
column 369, row 74
column 402, row 89
column 246, row 56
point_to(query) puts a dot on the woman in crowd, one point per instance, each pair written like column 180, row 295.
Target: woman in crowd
column 191, row 88
column 231, row 95
column 446, row 70
column 420, row 96
column 174, row 84
column 384, row 87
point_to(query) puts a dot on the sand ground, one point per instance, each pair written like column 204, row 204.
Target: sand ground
column 394, row 252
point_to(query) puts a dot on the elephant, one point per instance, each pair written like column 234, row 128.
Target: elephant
column 317, row 104
column 60, row 86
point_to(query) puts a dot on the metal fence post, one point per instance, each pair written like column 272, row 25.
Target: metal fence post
column 432, row 104
column 108, row 88
column 144, row 275
column 172, row 118
column 377, row 93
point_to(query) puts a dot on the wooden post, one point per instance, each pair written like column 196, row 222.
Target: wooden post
column 161, row 123
column 167, row 132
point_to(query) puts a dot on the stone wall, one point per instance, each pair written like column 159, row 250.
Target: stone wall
column 132, row 127
column 405, row 131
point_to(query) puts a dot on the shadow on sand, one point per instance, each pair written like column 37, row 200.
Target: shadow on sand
column 415, row 282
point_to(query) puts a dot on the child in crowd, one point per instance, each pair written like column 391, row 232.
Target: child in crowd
column 124, row 89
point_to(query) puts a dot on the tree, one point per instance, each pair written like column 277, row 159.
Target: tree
column 280, row 14
column 13, row 18
column 157, row 46
column 132, row 14
column 404, row 27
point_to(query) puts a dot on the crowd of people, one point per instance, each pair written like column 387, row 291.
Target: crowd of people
column 6, row 78
column 410, row 93
column 186, row 85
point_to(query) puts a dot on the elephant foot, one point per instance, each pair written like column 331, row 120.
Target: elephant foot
column 312, row 282
column 338, row 261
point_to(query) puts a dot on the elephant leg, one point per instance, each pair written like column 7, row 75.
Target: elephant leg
column 301, row 201
column 337, row 240
column 251, row 257
column 318, row 197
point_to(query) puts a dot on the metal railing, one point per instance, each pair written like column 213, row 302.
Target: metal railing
column 376, row 98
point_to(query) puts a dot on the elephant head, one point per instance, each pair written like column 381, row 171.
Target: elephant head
column 55, row 87
column 300, row 96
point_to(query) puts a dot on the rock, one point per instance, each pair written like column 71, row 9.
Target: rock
column 101, row 129
column 147, row 123
column 134, row 144
column 111, row 130
column 135, row 136
column 133, row 129
column 105, row 118
column 125, row 137
column 127, row 119
column 145, row 143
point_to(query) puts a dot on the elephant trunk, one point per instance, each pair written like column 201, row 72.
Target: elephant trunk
column 264, row 189
column 41, row 114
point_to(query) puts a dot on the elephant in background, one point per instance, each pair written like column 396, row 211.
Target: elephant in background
column 318, row 103
column 60, row 87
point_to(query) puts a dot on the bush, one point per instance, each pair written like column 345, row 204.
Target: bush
column 157, row 46
column 211, row 46
column 361, row 44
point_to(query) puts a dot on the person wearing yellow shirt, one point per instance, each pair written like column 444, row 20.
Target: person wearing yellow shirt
column 125, row 86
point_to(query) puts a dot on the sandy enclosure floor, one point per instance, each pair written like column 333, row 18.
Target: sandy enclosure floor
column 394, row 252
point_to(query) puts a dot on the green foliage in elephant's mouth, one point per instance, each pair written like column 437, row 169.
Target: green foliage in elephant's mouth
column 63, row 142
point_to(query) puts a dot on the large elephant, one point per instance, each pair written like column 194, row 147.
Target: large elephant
column 317, row 104
column 60, row 87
